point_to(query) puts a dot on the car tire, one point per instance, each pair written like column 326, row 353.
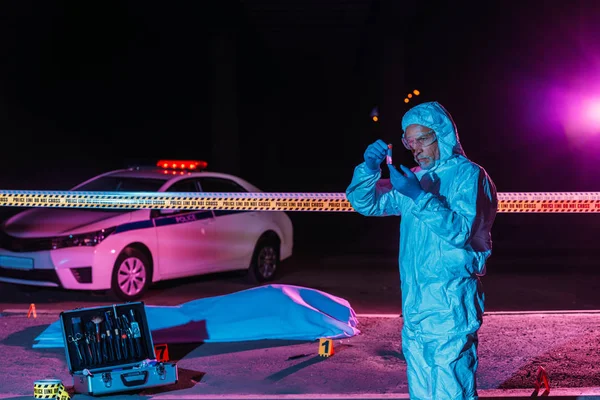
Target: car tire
column 265, row 261
column 132, row 274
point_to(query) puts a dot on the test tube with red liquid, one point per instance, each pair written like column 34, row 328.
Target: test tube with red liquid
column 388, row 157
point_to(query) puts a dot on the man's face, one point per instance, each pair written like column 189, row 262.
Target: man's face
column 423, row 144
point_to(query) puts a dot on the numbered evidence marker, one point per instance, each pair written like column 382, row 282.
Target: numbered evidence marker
column 162, row 352
column 326, row 347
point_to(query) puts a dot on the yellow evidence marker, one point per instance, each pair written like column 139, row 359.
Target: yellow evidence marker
column 326, row 347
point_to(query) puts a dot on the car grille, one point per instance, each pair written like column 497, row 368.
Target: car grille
column 21, row 245
column 46, row 275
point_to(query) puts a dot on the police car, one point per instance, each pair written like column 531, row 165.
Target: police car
column 125, row 251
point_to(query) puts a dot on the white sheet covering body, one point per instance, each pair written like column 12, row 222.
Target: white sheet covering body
column 265, row 312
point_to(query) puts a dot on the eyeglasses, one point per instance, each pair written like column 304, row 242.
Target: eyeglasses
column 426, row 139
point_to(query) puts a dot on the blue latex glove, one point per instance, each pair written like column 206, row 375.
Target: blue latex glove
column 405, row 182
column 375, row 154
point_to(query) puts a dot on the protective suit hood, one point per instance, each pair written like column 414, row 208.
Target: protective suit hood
column 433, row 115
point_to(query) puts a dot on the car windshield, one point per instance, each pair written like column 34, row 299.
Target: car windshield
column 121, row 184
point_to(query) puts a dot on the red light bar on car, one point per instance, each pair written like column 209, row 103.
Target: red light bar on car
column 182, row 164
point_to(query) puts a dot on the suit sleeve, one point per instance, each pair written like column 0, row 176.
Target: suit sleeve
column 370, row 195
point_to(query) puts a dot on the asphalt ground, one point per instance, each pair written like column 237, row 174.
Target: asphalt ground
column 366, row 366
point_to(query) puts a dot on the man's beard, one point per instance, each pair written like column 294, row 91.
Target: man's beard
column 426, row 163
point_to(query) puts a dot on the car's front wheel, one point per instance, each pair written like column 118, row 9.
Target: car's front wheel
column 132, row 274
column 265, row 261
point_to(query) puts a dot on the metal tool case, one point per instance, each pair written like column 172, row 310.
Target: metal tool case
column 109, row 349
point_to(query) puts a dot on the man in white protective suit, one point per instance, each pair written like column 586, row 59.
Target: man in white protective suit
column 447, row 206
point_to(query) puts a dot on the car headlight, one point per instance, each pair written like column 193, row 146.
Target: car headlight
column 82, row 239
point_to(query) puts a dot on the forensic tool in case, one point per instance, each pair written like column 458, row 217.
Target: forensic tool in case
column 109, row 349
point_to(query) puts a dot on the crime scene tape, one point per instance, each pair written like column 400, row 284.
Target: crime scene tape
column 534, row 202
column 50, row 389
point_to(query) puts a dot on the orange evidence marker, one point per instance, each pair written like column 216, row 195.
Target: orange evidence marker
column 541, row 380
column 162, row 352
column 31, row 311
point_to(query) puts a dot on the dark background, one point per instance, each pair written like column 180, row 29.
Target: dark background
column 280, row 93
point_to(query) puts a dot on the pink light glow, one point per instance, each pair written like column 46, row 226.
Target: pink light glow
column 593, row 113
column 582, row 118
column 577, row 108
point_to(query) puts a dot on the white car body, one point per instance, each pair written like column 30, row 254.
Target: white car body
column 178, row 243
